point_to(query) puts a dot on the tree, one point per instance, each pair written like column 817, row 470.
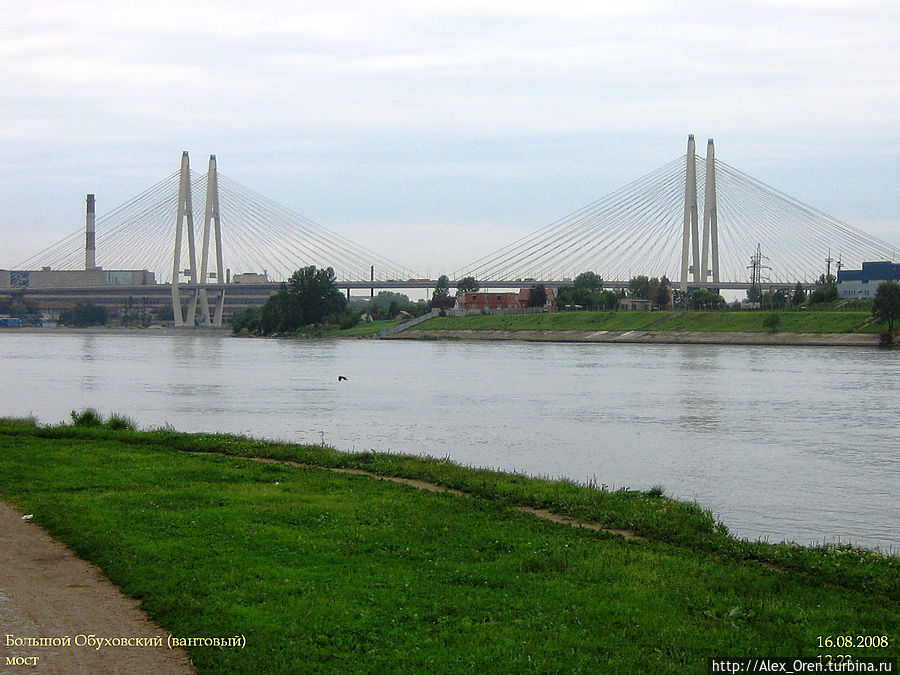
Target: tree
column 825, row 291
column 698, row 298
column 88, row 314
column 309, row 297
column 658, row 292
column 442, row 287
column 389, row 304
column 779, row 299
column 639, row 287
column 702, row 298
column 245, row 320
column 537, row 296
column 316, row 293
column 799, row 296
column 467, row 285
column 886, row 307
column 588, row 281
column 607, row 300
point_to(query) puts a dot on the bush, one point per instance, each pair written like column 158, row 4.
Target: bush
column 772, row 321
column 88, row 417
column 120, row 423
column 88, row 314
column 247, row 319
column 346, row 319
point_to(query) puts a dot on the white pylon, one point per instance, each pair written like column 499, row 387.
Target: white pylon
column 185, row 218
column 710, row 219
column 212, row 217
column 690, row 232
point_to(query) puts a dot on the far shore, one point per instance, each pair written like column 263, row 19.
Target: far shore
column 572, row 336
column 118, row 330
column 650, row 337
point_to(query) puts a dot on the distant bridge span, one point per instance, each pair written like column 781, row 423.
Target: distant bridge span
column 240, row 296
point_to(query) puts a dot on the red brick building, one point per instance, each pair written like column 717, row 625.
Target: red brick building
column 490, row 300
column 506, row 300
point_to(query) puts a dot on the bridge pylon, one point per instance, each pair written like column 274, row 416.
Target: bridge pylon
column 689, row 237
column 710, row 266
column 212, row 218
column 699, row 261
column 184, row 220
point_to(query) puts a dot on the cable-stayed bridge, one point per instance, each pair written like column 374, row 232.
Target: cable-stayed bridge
column 696, row 221
column 257, row 234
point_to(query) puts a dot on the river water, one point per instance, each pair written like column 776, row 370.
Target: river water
column 781, row 443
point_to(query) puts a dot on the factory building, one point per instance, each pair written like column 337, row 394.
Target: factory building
column 48, row 278
column 864, row 283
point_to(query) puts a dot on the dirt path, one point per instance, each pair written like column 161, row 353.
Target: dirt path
column 47, row 592
column 434, row 487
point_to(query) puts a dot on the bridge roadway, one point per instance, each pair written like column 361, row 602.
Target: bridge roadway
column 240, row 296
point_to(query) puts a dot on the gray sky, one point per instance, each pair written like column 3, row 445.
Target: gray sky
column 437, row 131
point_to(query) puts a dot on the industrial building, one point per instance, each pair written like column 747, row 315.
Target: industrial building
column 864, row 283
column 48, row 278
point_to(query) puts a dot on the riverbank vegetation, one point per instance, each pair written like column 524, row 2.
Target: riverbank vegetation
column 324, row 571
column 308, row 299
column 886, row 306
column 310, row 305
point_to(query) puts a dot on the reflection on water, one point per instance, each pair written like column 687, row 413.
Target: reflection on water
column 782, row 443
column 88, row 351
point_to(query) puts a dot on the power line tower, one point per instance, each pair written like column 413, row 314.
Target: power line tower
column 756, row 267
column 828, row 278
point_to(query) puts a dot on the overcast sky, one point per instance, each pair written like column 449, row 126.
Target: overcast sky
column 436, row 131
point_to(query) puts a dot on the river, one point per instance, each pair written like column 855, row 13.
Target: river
column 781, row 443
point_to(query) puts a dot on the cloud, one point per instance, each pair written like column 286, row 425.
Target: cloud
column 314, row 100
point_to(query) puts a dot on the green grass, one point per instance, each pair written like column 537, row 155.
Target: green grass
column 326, row 572
column 730, row 321
column 367, row 329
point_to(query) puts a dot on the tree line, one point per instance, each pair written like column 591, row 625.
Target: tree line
column 310, row 301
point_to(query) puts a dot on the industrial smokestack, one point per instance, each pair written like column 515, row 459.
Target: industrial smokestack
column 90, row 249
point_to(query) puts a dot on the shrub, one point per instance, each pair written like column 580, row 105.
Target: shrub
column 87, row 417
column 772, row 321
column 120, row 422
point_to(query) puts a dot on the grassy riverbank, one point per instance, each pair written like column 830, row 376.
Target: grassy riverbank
column 695, row 321
column 325, row 571
column 364, row 329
